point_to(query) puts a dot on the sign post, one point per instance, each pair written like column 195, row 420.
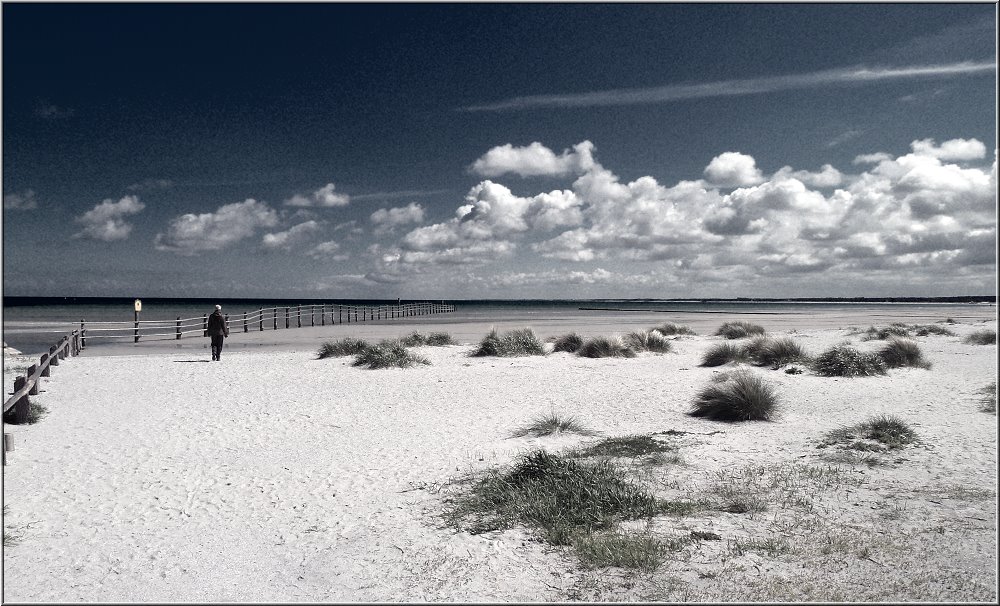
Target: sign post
column 138, row 308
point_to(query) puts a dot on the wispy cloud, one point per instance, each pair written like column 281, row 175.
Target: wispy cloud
column 728, row 88
column 394, row 195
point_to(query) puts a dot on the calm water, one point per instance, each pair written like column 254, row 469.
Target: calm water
column 32, row 325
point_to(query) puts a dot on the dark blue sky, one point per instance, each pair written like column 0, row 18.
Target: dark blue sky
column 188, row 108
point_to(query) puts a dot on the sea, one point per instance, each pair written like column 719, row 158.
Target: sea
column 32, row 324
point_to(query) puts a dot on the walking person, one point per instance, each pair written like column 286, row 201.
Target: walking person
column 218, row 331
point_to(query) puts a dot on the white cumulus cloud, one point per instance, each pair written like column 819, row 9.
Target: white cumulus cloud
column 534, row 160
column 193, row 233
column 290, row 237
column 388, row 218
column 324, row 197
column 954, row 149
column 105, row 222
column 733, row 169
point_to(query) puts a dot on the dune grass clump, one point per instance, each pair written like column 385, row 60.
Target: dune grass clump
column 739, row 330
column 561, row 497
column 344, row 347
column 388, row 354
column 723, row 353
column 903, row 352
column 923, row 330
column 36, row 412
column 670, row 329
column 879, row 434
column 435, row 339
column 621, row 550
column 605, row 347
column 648, row 340
column 518, row 342
column 766, row 351
column 551, row 423
column 988, row 403
column 742, row 396
column 881, row 334
column 846, row 361
column 625, row 446
column 982, row 337
column 569, row 343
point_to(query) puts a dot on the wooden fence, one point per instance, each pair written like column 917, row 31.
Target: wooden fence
column 261, row 319
column 28, row 385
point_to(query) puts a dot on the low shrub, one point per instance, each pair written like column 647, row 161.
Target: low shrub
column 903, row 352
column 884, row 432
column 670, row 329
column 982, row 337
column 388, row 354
column 648, row 340
column 846, row 361
column 605, row 347
column 344, row 347
column 739, row 330
column 562, row 497
column 766, row 351
column 569, row 343
column 723, row 353
column 551, row 423
column 742, row 396
column 519, row 342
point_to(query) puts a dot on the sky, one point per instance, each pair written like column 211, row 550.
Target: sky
column 504, row 151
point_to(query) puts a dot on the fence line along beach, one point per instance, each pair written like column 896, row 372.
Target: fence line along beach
column 281, row 475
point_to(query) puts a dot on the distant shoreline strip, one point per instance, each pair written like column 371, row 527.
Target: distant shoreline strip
column 692, row 311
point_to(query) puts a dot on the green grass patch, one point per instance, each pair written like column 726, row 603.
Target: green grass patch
column 739, row 330
column 344, row 347
column 740, row 396
column 877, row 434
column 846, row 361
column 518, row 342
column 560, row 497
column 552, row 423
column 388, row 354
column 982, row 337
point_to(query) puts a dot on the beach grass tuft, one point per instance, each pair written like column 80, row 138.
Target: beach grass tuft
column 648, row 340
column 846, row 361
column 440, row 339
column 903, row 352
column 880, row 433
column 982, row 337
column 636, row 445
column 881, row 334
column 551, row 423
column 767, row 351
column 625, row 550
column 742, row 396
column 435, row 339
column 739, row 330
column 518, row 342
column 569, row 343
column 923, row 330
column 723, row 353
column 670, row 329
column 388, row 354
column 561, row 497
column 605, row 347
column 988, row 403
column 344, row 347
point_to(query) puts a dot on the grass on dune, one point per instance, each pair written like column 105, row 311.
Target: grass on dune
column 760, row 351
column 982, row 337
column 637, row 445
column 880, row 433
column 740, row 396
column 739, row 330
column 569, row 343
column 552, row 423
column 898, row 329
column 344, row 347
column 560, row 497
column 435, row 339
column 670, row 329
column 723, row 353
column 625, row 550
column 846, row 361
column 518, row 342
column 648, row 340
column 388, row 354
column 988, row 403
column 605, row 347
column 36, row 412
column 903, row 352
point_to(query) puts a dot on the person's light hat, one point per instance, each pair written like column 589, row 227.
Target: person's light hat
column 218, row 307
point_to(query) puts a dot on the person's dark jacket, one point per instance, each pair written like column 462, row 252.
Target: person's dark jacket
column 217, row 325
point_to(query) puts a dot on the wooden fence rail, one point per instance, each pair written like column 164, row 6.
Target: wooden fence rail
column 17, row 404
column 271, row 318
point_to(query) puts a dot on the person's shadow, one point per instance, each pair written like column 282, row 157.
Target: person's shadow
column 186, row 361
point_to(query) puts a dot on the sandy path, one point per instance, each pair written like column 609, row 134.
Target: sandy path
column 272, row 476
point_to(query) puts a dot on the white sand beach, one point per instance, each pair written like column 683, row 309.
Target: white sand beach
column 272, row 476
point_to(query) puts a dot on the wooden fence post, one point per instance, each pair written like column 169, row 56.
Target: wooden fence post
column 274, row 318
column 63, row 348
column 204, row 325
column 298, row 316
column 45, row 367
column 83, row 334
column 21, row 406
column 287, row 318
column 322, row 316
column 312, row 315
column 178, row 335
column 261, row 319
column 33, row 391
column 245, row 327
column 53, row 359
column 226, row 322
